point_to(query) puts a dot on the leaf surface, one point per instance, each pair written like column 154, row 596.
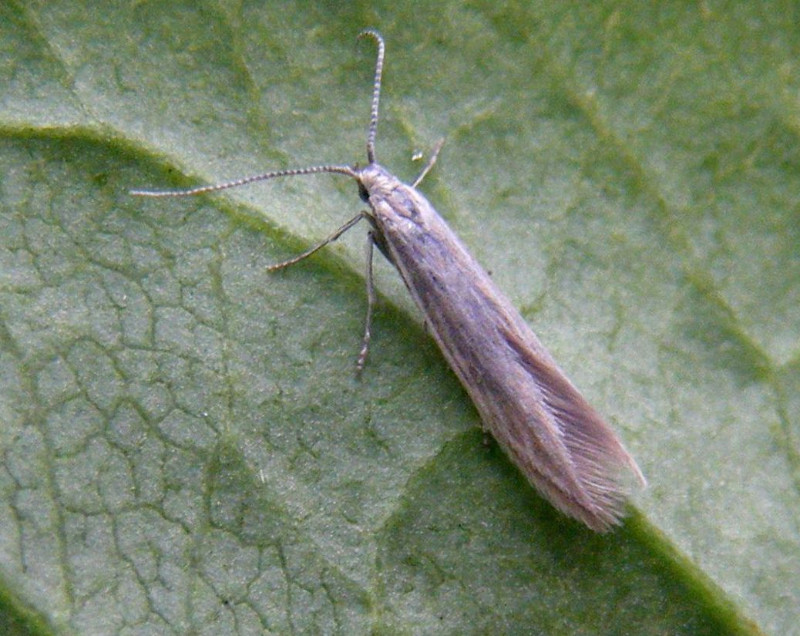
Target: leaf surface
column 185, row 447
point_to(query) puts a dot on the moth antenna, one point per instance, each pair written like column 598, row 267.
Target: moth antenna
column 292, row 172
column 376, row 91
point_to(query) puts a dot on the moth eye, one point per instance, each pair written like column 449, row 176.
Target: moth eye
column 362, row 192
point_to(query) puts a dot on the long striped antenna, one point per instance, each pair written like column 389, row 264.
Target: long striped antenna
column 376, row 91
column 291, row 172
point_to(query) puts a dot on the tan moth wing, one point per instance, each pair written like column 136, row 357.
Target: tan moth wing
column 540, row 419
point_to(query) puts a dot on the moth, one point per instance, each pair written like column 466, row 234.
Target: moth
column 547, row 428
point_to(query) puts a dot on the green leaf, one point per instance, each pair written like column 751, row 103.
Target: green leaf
column 185, row 447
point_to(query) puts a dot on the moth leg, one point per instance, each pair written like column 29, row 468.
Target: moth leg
column 429, row 165
column 362, row 355
column 318, row 246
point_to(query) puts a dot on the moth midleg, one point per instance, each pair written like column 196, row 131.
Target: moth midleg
column 362, row 355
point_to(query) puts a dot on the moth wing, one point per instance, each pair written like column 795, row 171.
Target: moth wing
column 559, row 421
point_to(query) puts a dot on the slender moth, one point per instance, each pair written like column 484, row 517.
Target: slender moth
column 543, row 423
